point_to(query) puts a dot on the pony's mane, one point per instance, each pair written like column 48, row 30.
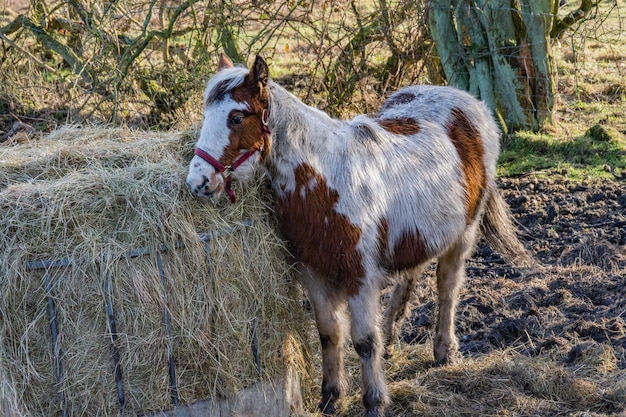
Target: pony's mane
column 222, row 82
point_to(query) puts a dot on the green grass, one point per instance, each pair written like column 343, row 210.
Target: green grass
column 582, row 157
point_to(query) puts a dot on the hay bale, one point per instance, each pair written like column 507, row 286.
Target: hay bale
column 111, row 208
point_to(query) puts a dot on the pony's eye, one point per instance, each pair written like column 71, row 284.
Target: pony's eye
column 236, row 119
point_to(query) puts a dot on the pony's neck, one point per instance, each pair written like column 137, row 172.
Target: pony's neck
column 298, row 130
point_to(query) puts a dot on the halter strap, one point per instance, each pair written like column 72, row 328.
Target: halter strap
column 226, row 170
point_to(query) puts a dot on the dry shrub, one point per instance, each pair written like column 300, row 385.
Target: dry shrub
column 93, row 196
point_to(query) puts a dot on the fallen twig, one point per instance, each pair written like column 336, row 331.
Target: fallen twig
column 17, row 126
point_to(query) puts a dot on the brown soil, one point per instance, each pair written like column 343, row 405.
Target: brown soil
column 573, row 302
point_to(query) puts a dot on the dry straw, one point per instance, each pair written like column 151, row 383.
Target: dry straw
column 89, row 197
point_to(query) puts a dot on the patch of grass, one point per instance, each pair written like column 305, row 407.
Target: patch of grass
column 593, row 107
column 581, row 157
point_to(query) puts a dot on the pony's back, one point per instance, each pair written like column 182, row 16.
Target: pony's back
column 434, row 103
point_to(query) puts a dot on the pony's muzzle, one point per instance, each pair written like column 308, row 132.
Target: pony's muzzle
column 210, row 187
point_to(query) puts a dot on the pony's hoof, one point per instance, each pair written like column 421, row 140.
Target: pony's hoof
column 329, row 411
column 327, row 408
column 375, row 412
column 450, row 358
column 446, row 350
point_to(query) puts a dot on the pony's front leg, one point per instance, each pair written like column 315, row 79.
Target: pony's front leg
column 329, row 307
column 332, row 336
column 367, row 342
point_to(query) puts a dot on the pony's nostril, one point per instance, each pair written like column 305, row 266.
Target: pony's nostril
column 203, row 187
column 208, row 193
column 199, row 188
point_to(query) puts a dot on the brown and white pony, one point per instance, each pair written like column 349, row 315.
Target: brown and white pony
column 360, row 199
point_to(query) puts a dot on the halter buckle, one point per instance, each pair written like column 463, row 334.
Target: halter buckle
column 227, row 172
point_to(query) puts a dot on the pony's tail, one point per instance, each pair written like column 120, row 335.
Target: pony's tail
column 500, row 233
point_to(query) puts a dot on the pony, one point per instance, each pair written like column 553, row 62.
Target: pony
column 359, row 200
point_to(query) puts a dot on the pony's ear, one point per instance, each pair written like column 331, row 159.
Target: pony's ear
column 260, row 71
column 225, row 62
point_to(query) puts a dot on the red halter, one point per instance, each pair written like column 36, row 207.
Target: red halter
column 227, row 170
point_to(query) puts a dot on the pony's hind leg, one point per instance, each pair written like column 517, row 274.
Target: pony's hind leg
column 450, row 277
column 330, row 310
column 398, row 304
column 367, row 342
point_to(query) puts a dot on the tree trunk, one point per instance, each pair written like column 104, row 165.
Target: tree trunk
column 499, row 50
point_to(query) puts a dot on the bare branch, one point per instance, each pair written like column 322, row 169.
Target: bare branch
column 73, row 61
column 561, row 25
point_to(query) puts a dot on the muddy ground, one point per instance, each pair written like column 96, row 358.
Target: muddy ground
column 574, row 301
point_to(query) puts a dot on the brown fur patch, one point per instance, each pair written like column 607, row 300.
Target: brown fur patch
column 397, row 99
column 318, row 236
column 468, row 143
column 408, row 252
column 249, row 133
column 403, row 126
column 246, row 135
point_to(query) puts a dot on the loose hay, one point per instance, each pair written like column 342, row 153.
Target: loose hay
column 90, row 196
column 501, row 383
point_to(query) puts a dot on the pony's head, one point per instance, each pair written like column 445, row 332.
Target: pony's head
column 234, row 137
